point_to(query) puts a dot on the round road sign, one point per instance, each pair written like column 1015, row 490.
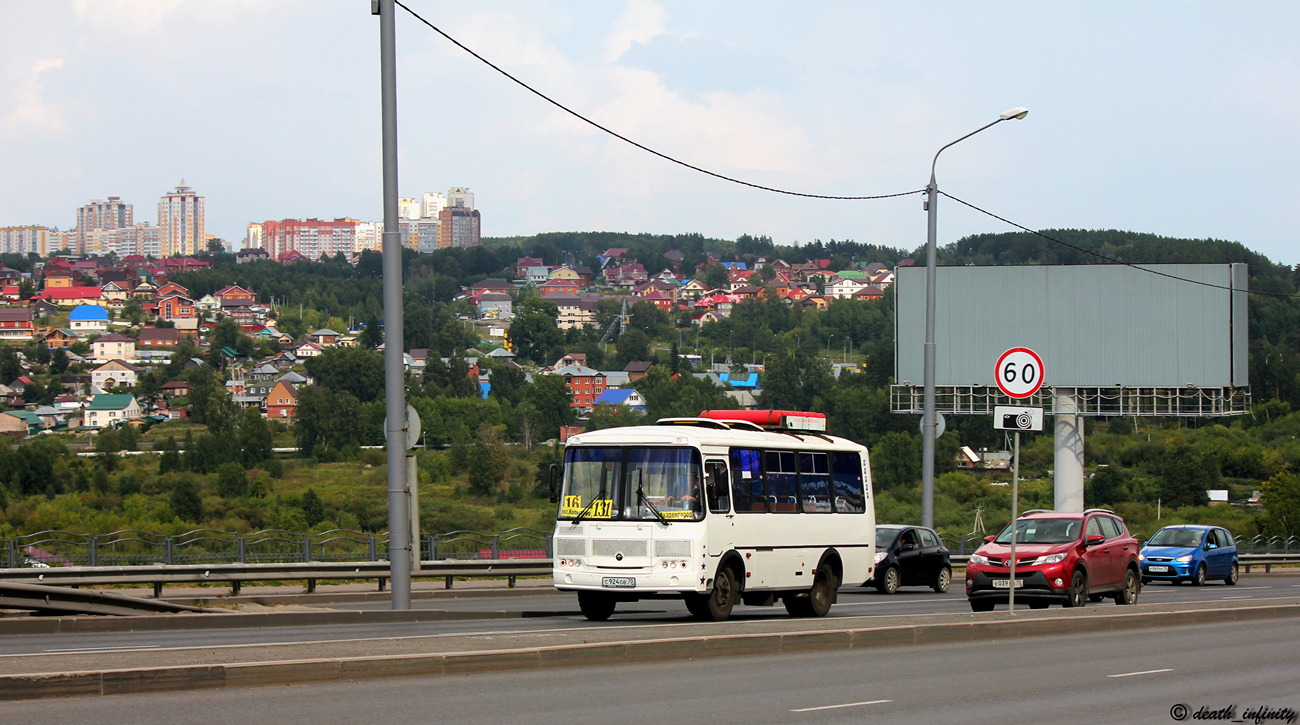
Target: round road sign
column 1019, row 372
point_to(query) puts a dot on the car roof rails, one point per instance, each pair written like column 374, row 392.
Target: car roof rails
column 1100, row 511
column 1037, row 511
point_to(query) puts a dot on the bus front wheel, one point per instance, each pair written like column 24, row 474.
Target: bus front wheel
column 717, row 604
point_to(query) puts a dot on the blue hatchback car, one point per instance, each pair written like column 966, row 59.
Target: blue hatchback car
column 1189, row 553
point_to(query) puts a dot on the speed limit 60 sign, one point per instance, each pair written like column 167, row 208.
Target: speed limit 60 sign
column 1019, row 372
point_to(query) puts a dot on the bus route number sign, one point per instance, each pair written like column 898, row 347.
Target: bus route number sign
column 1019, row 372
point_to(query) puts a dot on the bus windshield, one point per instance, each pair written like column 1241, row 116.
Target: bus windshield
column 632, row 484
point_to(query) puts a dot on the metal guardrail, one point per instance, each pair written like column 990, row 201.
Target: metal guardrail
column 57, row 549
column 237, row 574
column 61, row 600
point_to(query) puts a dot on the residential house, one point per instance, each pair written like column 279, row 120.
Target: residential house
column 88, row 320
column 14, row 426
column 235, row 293
column 114, row 373
column 841, row 287
column 584, row 384
column 870, row 293
column 16, row 324
column 307, row 349
column 179, row 310
column 114, row 346
column 478, row 289
column 160, row 342
column 282, row 401
column 324, row 337
column 114, row 293
column 627, row 275
column 557, row 286
column 536, row 275
column 175, row 389
column 208, row 304
column 108, row 409
column 637, row 369
column 575, row 312
column 523, row 263
column 626, row 397
column 251, row 254
column 57, row 338
column 495, row 306
column 72, row 296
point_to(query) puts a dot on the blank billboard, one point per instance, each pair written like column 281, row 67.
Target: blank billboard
column 1151, row 325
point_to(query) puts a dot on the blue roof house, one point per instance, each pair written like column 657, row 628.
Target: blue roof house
column 626, row 397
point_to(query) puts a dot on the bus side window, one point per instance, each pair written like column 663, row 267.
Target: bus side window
column 719, row 488
column 747, row 481
column 846, row 478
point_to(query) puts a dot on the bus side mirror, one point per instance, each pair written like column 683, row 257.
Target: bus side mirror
column 553, row 482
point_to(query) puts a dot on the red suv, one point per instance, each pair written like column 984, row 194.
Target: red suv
column 1060, row 557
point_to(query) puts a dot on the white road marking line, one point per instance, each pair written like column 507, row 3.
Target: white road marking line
column 103, row 649
column 1143, row 672
column 836, row 707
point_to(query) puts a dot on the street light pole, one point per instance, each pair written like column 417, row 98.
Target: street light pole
column 929, row 423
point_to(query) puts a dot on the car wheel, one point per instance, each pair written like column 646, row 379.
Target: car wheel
column 981, row 605
column 1232, row 576
column 723, row 597
column 888, row 580
column 943, row 581
column 1132, row 587
column 1199, row 577
column 596, row 606
column 1078, row 594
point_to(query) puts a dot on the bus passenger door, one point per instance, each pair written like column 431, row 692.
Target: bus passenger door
column 719, row 522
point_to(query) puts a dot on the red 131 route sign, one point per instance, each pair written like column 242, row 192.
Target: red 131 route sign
column 1019, row 372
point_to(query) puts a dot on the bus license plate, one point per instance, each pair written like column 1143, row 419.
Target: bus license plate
column 1158, row 569
column 1006, row 583
column 618, row 582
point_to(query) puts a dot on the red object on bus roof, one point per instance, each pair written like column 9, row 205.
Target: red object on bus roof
column 766, row 418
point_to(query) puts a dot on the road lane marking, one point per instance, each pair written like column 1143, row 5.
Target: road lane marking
column 1143, row 672
column 123, row 648
column 837, row 707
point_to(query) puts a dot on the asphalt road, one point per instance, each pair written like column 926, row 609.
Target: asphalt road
column 556, row 612
column 1125, row 677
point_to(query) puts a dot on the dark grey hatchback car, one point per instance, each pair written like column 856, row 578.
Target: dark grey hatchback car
column 910, row 556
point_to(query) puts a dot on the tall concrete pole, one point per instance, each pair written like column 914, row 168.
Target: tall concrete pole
column 399, row 535
column 929, row 423
column 1068, row 450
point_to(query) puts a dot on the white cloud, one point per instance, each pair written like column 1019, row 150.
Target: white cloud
column 31, row 113
column 642, row 22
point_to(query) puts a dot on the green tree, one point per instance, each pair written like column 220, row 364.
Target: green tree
column 550, row 399
column 896, row 462
column 352, row 370
column 372, row 336
column 232, row 480
column 794, row 382
column 255, row 438
column 533, row 334
column 185, row 502
column 313, row 509
column 488, row 461
column 326, row 421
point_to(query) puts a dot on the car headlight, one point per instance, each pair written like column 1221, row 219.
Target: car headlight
column 1184, row 559
column 880, row 556
column 1050, row 558
column 1141, row 556
column 978, row 560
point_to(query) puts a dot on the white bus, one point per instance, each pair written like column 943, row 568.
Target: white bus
column 784, row 513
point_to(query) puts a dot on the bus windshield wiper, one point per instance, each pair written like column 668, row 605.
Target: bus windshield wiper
column 641, row 495
column 600, row 495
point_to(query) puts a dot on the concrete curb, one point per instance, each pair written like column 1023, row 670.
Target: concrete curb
column 253, row 674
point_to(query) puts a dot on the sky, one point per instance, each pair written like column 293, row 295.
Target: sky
column 1164, row 117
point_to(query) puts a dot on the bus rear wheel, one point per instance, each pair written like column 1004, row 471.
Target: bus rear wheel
column 596, row 606
column 817, row 602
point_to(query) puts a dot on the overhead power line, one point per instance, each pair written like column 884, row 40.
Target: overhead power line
column 1112, row 260
column 641, row 146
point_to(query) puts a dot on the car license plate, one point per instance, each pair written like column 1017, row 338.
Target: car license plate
column 1158, row 569
column 1006, row 584
column 618, row 582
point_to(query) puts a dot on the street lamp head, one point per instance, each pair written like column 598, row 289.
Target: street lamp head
column 1016, row 113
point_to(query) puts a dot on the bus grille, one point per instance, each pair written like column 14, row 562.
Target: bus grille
column 570, row 547
column 610, row 547
column 672, row 548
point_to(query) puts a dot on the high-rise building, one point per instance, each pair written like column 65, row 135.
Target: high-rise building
column 459, row 227
column 142, row 239
column 180, row 217
column 101, row 215
column 42, row 241
column 311, row 237
column 460, row 196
